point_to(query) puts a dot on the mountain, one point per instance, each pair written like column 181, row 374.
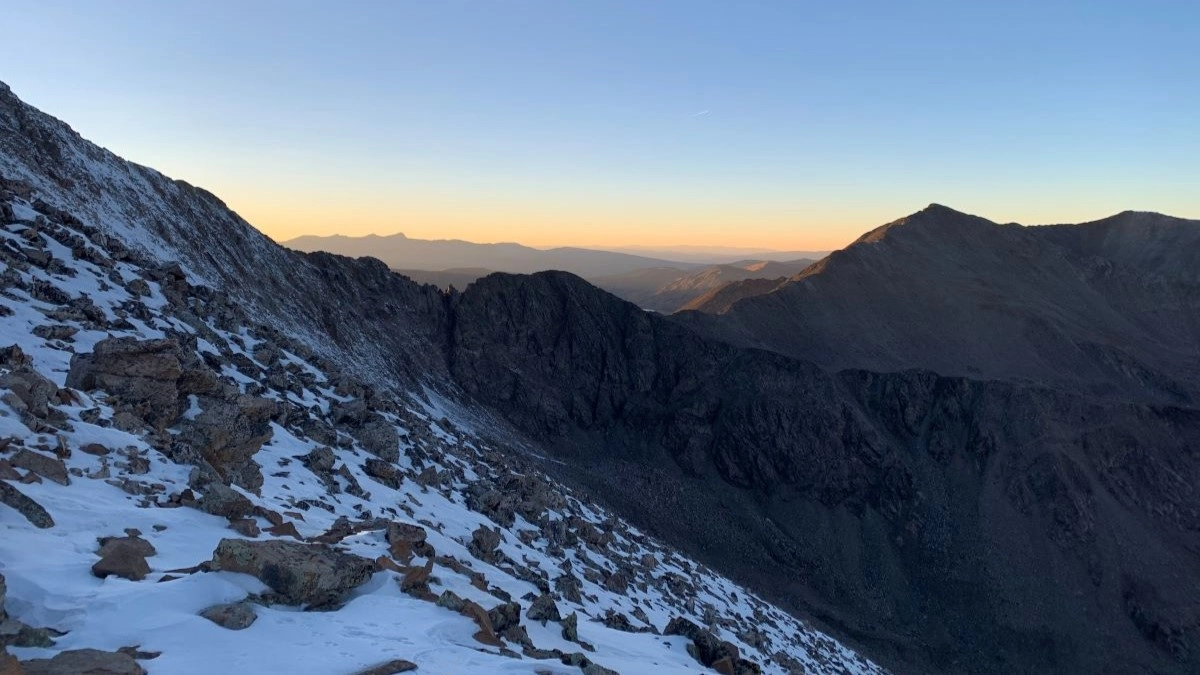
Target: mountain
column 217, row 454
column 719, row 255
column 536, row 446
column 1110, row 308
column 400, row 252
column 665, row 289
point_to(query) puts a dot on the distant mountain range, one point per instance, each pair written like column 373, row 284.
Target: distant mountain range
column 658, row 284
column 403, row 253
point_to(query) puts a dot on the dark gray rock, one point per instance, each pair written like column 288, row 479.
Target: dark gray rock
column 302, row 574
column 543, row 609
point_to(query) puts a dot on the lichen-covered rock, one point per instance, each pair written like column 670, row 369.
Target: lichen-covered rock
column 26, row 506
column 302, row 574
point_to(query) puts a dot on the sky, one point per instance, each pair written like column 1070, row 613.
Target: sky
column 783, row 125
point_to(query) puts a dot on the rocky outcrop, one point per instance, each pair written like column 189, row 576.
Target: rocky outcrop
column 154, row 381
column 143, row 373
column 312, row 575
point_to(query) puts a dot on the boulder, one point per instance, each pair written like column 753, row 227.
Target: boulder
column 543, row 609
column 710, row 650
column 222, row 500
column 124, row 557
column 228, row 433
column 378, row 437
column 84, row 662
column 234, row 616
column 484, row 543
column 390, row 668
column 31, row 392
column 141, row 372
column 302, row 574
column 383, row 471
column 50, row 468
column 406, row 540
column 505, row 615
column 33, row 512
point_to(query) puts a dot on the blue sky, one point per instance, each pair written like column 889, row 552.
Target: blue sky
column 774, row 124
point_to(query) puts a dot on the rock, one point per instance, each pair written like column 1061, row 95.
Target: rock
column 505, row 615
column 450, row 601
column 247, row 527
column 50, row 468
column 570, row 627
column 84, row 662
column 287, row 529
column 406, row 540
column 416, row 580
column 543, row 609
column 3, row 593
column 222, row 500
column 390, row 668
column 570, row 587
column 142, row 372
column 234, row 616
column 379, row 437
column 31, row 389
column 124, row 557
column 24, row 505
column 483, row 544
column 132, row 541
column 302, row 574
column 708, row 649
column 320, row 460
column 95, row 449
column 383, row 471
column 9, row 664
column 18, row 634
column 228, row 433
column 486, row 633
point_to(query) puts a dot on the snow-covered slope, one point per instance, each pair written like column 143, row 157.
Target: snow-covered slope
column 143, row 396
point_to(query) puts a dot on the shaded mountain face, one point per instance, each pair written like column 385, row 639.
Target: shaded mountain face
column 667, row 290
column 945, row 523
column 401, row 252
column 1109, row 308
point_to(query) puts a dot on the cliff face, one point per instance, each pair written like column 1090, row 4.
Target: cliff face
column 936, row 519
